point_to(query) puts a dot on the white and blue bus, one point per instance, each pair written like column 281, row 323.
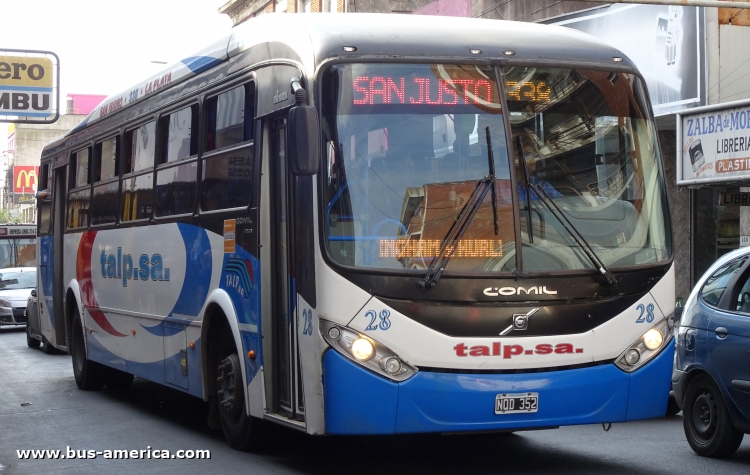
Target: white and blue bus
column 363, row 224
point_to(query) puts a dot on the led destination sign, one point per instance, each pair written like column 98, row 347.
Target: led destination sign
column 373, row 90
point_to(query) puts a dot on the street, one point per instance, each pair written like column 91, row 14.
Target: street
column 151, row 417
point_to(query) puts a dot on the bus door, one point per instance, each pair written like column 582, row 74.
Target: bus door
column 288, row 395
column 51, row 216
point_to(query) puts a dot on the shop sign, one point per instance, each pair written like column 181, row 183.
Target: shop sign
column 714, row 144
column 29, row 86
column 734, row 199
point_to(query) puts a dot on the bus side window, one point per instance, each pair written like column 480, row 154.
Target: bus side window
column 226, row 180
column 80, row 178
column 137, row 182
column 175, row 186
column 104, row 198
column 45, row 206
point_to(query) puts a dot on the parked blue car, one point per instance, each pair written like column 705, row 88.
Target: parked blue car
column 711, row 379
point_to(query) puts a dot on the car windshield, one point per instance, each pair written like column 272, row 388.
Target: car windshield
column 17, row 280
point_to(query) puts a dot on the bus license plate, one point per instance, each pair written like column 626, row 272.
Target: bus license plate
column 513, row 403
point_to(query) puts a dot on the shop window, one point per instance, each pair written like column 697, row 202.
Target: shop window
column 178, row 132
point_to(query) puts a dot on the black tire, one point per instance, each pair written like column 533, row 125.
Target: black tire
column 89, row 375
column 48, row 348
column 31, row 342
column 117, row 380
column 243, row 432
column 672, row 407
column 708, row 427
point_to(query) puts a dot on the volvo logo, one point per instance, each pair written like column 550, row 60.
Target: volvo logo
column 507, row 291
column 520, row 321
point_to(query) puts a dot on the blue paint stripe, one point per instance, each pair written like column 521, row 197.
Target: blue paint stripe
column 198, row 64
column 27, row 114
column 26, row 88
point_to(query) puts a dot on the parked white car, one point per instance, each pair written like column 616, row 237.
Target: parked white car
column 16, row 284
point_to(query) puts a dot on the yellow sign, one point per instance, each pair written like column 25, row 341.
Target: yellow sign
column 26, row 71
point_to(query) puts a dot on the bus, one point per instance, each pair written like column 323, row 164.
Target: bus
column 17, row 245
column 365, row 224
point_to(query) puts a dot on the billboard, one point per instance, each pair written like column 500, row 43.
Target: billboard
column 666, row 43
column 25, row 180
column 29, row 86
column 713, row 144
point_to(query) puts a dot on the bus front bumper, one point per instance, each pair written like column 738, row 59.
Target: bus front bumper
column 360, row 402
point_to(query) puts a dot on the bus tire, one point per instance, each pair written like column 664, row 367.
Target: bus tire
column 31, row 342
column 88, row 374
column 242, row 431
column 708, row 427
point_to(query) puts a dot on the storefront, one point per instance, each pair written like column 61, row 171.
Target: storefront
column 713, row 161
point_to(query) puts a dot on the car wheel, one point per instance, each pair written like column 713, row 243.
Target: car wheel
column 31, row 342
column 708, row 427
column 89, row 375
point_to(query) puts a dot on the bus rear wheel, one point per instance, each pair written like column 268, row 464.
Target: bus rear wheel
column 89, row 375
column 242, row 431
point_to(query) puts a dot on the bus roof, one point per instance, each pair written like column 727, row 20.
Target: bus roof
column 317, row 37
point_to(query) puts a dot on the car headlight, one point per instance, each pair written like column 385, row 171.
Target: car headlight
column 366, row 352
column 5, row 303
column 647, row 346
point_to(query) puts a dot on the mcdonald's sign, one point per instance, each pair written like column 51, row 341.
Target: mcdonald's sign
column 25, row 179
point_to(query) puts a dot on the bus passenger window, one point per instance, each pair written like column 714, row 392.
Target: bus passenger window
column 137, row 197
column 227, row 180
column 178, row 141
column 138, row 190
column 140, row 148
column 78, row 209
column 80, row 166
column 175, row 189
column 227, row 120
column 106, row 159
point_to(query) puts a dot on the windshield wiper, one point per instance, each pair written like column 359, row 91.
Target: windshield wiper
column 528, row 192
column 464, row 218
column 574, row 233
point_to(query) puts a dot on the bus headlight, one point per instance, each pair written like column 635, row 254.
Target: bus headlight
column 652, row 339
column 362, row 349
column 366, row 352
column 646, row 347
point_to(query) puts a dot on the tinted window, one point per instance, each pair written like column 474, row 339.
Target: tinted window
column 78, row 209
column 742, row 300
column 175, row 189
column 104, row 206
column 81, row 168
column 227, row 118
column 177, row 135
column 227, row 179
column 714, row 287
column 140, row 148
column 106, row 159
column 137, row 197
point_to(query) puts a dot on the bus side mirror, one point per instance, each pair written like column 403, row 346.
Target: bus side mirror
column 302, row 140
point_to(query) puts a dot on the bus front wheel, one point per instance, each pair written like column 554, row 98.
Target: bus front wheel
column 242, row 431
column 89, row 375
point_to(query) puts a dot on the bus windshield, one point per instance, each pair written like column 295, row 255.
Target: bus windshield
column 411, row 144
